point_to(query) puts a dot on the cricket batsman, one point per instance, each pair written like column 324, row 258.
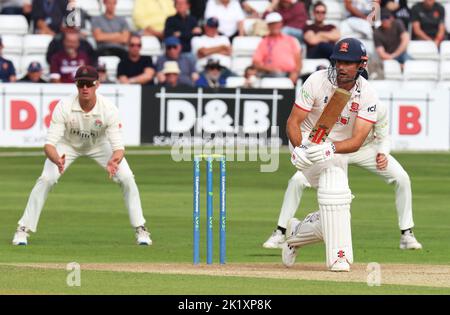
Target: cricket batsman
column 324, row 165
column 373, row 156
column 86, row 124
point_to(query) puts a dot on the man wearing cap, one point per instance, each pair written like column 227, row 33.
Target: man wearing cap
column 186, row 63
column 182, row 25
column 7, row 70
column 86, row 124
column 213, row 76
column 135, row 68
column 34, row 73
column 211, row 45
column 278, row 54
column 171, row 73
column 391, row 38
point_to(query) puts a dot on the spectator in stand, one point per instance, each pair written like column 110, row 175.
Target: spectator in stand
column 214, row 75
column 356, row 24
column 34, row 73
column 391, row 38
column 188, row 74
column 182, row 25
column 320, row 37
column 103, row 74
column 278, row 54
column 198, row 8
column 111, row 32
column 294, row 15
column 251, row 78
column 230, row 15
column 399, row 8
column 64, row 63
column 15, row 7
column 171, row 73
column 7, row 70
column 427, row 19
column 57, row 44
column 48, row 15
column 211, row 45
column 135, row 68
column 149, row 16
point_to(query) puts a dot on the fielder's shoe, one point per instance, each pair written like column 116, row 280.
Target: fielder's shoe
column 20, row 237
column 408, row 241
column 341, row 265
column 143, row 236
column 276, row 240
column 288, row 255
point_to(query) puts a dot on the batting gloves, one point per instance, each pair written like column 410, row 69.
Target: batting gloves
column 299, row 158
column 321, row 152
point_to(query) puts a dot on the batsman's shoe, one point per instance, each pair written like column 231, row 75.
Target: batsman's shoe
column 21, row 236
column 276, row 240
column 143, row 236
column 288, row 255
column 408, row 241
column 341, row 265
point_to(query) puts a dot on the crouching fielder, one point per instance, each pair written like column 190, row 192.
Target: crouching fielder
column 324, row 166
column 86, row 124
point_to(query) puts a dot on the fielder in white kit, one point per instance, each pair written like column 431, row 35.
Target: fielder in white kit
column 86, row 124
column 324, row 166
column 373, row 156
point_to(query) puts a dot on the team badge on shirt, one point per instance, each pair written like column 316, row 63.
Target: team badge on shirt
column 98, row 123
column 343, row 120
column 354, row 107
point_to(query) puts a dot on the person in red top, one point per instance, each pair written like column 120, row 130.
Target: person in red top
column 65, row 63
column 320, row 37
column 294, row 15
column 278, row 54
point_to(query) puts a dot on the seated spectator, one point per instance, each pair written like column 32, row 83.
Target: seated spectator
column 171, row 73
column 135, row 68
column 294, row 17
column 111, row 32
column 149, row 16
column 182, row 25
column 399, row 8
column 57, row 44
column 320, row 37
column 391, row 38
column 356, row 23
column 48, row 15
column 188, row 74
column 34, row 73
column 278, row 54
column 65, row 62
column 427, row 19
column 7, row 70
column 103, row 74
column 211, row 45
column 214, row 75
column 251, row 78
column 230, row 16
column 16, row 7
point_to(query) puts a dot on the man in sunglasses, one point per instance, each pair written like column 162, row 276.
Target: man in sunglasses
column 86, row 124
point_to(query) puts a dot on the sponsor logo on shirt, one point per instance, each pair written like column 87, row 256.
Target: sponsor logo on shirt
column 84, row 134
column 372, row 109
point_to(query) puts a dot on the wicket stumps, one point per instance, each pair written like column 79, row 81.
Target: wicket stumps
column 209, row 208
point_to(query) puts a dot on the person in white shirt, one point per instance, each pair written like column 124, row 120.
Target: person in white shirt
column 211, row 45
column 324, row 165
column 230, row 15
column 86, row 124
column 373, row 156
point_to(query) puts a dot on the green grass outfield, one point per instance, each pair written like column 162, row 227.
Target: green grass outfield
column 85, row 221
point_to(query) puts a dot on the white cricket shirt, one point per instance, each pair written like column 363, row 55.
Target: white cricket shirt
column 317, row 91
column 379, row 135
column 83, row 131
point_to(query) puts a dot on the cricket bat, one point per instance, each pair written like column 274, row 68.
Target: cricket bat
column 329, row 116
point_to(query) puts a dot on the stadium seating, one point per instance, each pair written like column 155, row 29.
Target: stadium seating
column 111, row 63
column 124, row 7
column 36, row 44
column 259, row 5
column 238, row 64
column 233, row 82
column 423, row 50
column 392, row 70
column 245, row 45
column 445, row 70
column 445, row 50
column 421, row 70
column 12, row 44
column 310, row 65
column 92, row 7
column 13, row 24
column 276, row 83
column 150, row 46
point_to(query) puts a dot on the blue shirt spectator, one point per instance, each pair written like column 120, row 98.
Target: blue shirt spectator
column 7, row 70
column 213, row 76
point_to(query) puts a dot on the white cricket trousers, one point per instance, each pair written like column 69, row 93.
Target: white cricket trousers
column 50, row 175
column 365, row 158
